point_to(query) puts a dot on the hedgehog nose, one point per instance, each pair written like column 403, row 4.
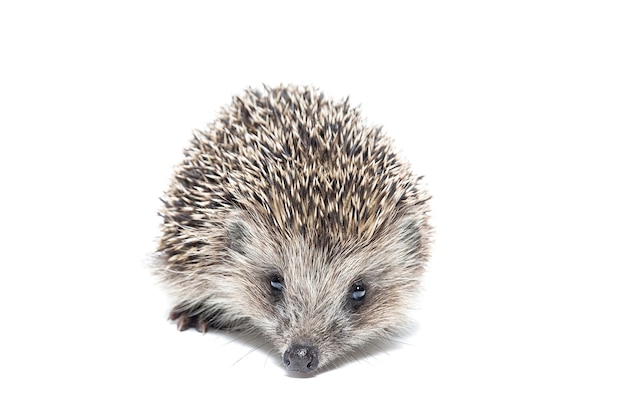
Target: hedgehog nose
column 301, row 358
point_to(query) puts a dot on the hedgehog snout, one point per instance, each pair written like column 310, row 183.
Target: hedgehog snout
column 301, row 357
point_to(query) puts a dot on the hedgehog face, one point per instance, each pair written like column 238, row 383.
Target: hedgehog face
column 318, row 301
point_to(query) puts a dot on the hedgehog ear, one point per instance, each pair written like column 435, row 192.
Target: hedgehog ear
column 238, row 235
column 409, row 232
column 412, row 235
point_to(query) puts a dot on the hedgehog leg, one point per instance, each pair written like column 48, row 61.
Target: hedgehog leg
column 190, row 316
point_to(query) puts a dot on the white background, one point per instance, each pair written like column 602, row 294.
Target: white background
column 514, row 111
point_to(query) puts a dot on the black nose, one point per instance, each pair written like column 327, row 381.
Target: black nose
column 301, row 358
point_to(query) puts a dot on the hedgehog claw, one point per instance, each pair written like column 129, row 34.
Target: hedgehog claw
column 185, row 323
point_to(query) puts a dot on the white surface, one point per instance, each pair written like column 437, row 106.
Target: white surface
column 515, row 113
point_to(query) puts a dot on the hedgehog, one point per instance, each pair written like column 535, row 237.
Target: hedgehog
column 291, row 217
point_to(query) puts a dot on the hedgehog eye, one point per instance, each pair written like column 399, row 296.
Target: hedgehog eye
column 277, row 282
column 358, row 292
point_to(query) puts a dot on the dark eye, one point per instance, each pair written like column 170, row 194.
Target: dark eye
column 358, row 292
column 277, row 282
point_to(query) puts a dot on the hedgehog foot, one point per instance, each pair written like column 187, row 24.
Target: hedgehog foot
column 189, row 318
column 194, row 317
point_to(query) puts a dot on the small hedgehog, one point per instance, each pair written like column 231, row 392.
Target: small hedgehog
column 291, row 217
